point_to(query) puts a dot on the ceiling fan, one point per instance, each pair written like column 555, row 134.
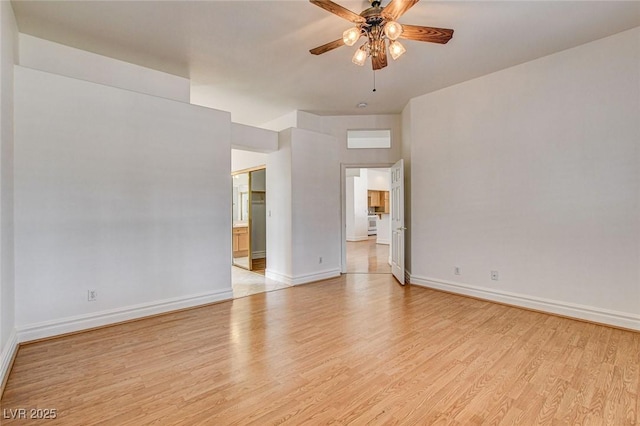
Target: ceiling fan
column 378, row 24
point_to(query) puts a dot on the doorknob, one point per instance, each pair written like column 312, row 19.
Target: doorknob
column 402, row 228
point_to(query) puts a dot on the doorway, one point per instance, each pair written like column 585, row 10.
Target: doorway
column 367, row 219
column 249, row 238
column 249, row 205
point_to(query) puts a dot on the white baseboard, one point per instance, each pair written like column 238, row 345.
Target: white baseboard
column 316, row 276
column 589, row 313
column 83, row 322
column 6, row 358
column 302, row 279
column 258, row 254
column 365, row 238
column 383, row 241
column 276, row 276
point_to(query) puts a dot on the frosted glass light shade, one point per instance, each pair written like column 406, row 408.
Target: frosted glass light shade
column 359, row 57
column 351, row 36
column 396, row 49
column 392, row 30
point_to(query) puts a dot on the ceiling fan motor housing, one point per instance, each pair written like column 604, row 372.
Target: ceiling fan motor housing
column 372, row 28
column 373, row 15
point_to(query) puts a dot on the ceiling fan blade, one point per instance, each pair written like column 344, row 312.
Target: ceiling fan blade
column 397, row 8
column 327, row 47
column 380, row 60
column 336, row 9
column 430, row 34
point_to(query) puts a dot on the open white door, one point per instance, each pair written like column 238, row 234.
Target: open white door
column 397, row 221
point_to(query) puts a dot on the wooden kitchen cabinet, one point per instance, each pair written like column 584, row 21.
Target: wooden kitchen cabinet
column 240, row 239
column 386, row 201
column 374, row 198
column 379, row 200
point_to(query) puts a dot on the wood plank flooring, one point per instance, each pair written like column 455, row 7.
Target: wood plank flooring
column 358, row 349
column 367, row 257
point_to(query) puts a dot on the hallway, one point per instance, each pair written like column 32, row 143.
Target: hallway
column 367, row 257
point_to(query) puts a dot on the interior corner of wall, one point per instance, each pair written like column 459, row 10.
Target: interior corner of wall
column 284, row 136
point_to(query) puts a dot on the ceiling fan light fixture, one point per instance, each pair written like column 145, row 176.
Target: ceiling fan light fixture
column 378, row 26
column 350, row 36
column 360, row 56
column 396, row 49
column 392, row 30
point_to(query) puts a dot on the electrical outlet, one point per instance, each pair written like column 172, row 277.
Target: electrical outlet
column 494, row 275
column 92, row 295
column 456, row 270
column 320, row 259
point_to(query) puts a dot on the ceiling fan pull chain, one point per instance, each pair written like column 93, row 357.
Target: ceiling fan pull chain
column 374, row 80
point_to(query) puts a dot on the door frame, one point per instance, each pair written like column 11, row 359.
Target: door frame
column 343, row 204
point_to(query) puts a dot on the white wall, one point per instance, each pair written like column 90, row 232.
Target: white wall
column 253, row 138
column 337, row 127
column 279, row 213
column 8, row 56
column 120, row 192
column 357, row 225
column 57, row 58
column 315, row 182
column 282, row 123
column 241, row 160
column 378, row 180
column 303, row 208
column 349, row 194
column 533, row 172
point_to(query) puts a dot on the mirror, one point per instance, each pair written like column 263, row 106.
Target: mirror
column 240, row 215
column 244, row 206
column 240, row 198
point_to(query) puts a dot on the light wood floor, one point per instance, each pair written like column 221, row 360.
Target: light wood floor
column 367, row 257
column 356, row 349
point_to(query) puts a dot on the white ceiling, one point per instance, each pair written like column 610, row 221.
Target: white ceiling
column 252, row 57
